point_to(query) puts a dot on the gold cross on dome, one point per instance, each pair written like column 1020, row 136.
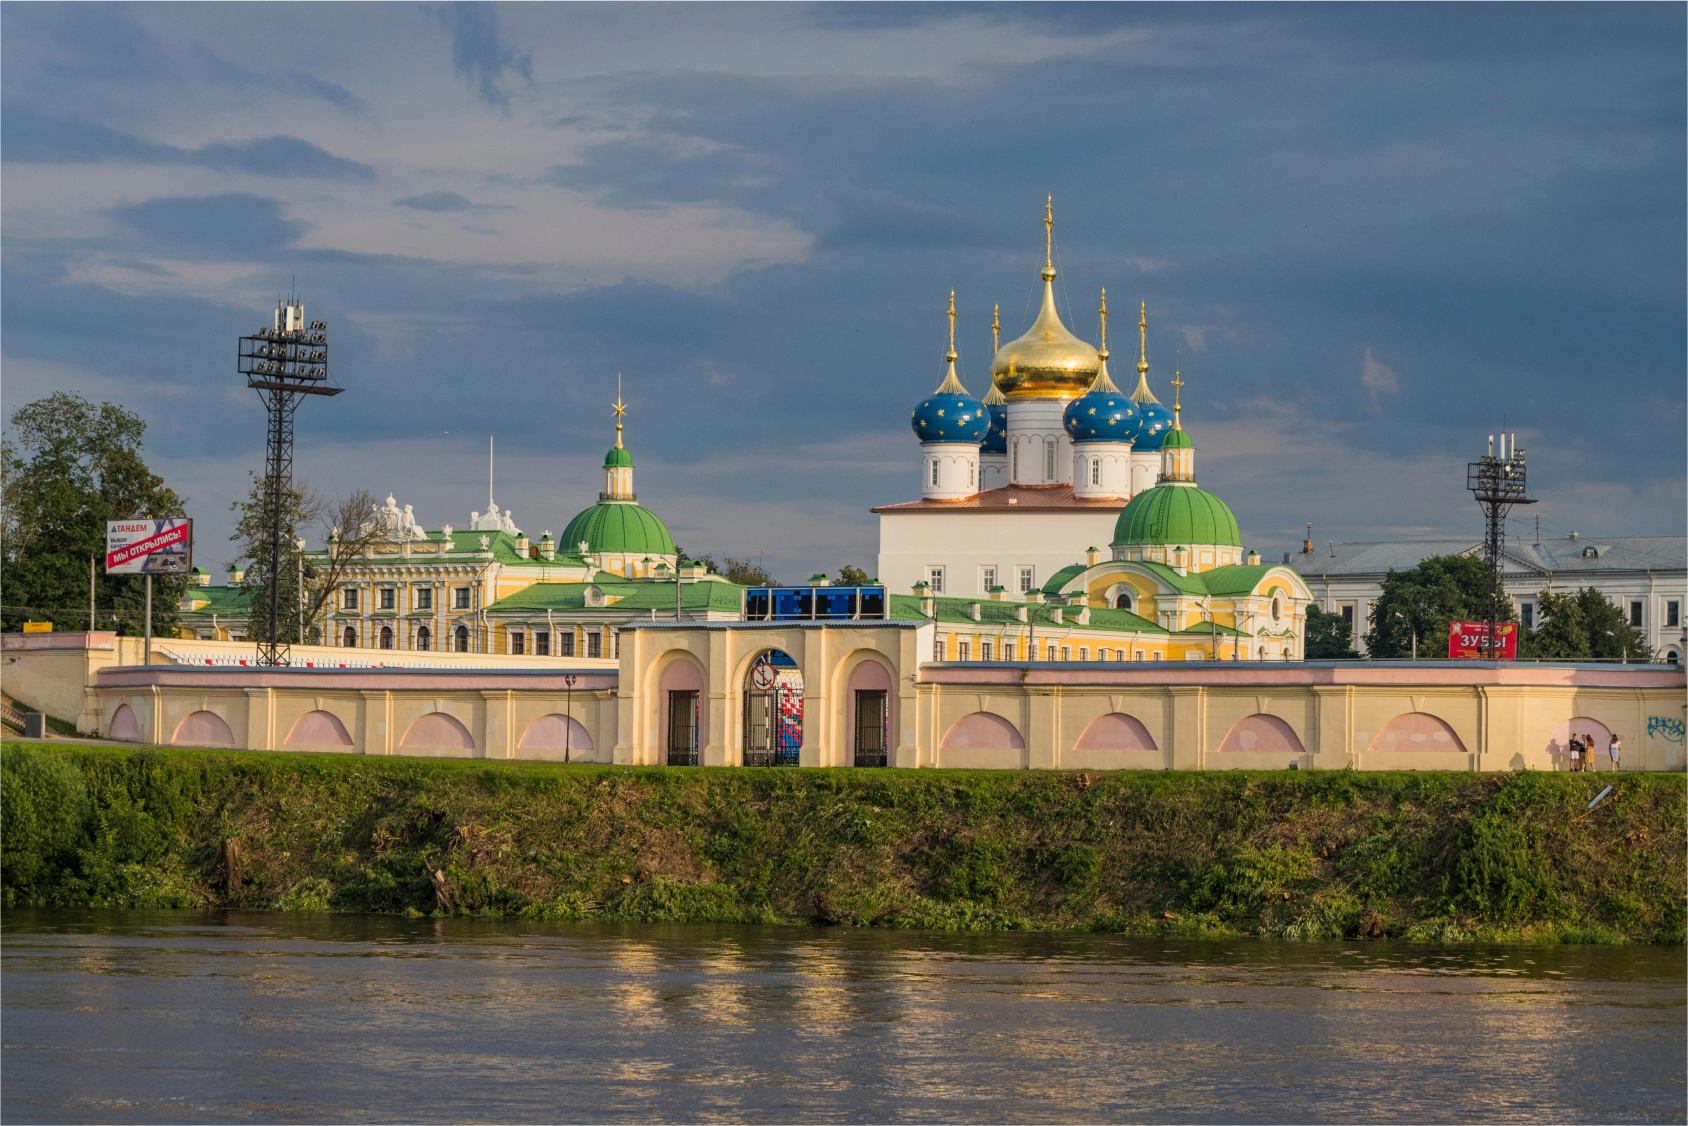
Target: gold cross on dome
column 1049, row 232
column 1177, row 384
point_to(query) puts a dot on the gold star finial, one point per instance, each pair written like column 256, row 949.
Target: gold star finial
column 620, row 409
column 952, row 355
column 1049, row 239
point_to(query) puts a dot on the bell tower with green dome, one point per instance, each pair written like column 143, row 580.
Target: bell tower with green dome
column 616, row 534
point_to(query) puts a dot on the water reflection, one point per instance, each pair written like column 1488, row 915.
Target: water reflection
column 188, row 1017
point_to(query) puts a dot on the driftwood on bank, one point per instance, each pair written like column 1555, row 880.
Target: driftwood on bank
column 234, row 873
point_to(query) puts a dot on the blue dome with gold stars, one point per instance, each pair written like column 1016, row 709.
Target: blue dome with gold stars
column 1155, row 422
column 1102, row 414
column 950, row 416
column 996, row 439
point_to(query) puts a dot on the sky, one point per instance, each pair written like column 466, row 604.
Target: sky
column 1368, row 235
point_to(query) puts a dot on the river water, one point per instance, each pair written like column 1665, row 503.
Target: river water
column 187, row 1017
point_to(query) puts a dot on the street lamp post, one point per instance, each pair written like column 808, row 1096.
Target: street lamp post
column 568, row 712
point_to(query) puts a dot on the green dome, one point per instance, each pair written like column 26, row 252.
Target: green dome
column 618, row 527
column 1177, row 514
column 1178, row 439
column 619, row 457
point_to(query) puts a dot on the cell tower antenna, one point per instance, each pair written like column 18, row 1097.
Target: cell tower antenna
column 283, row 363
column 1497, row 482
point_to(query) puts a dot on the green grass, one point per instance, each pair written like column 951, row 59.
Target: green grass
column 1291, row 854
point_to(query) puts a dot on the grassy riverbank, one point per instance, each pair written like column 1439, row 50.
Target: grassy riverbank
column 1293, row 854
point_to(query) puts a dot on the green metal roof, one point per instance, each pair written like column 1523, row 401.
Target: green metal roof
column 954, row 611
column 1177, row 439
column 619, row 457
column 619, row 526
column 219, row 600
column 636, row 595
column 1170, row 515
column 1064, row 576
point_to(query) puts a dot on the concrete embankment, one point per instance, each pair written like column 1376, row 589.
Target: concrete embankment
column 1294, row 854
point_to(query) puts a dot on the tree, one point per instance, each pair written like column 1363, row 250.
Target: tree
column 1582, row 625
column 740, row 571
column 850, row 575
column 1329, row 637
column 75, row 466
column 347, row 529
column 1420, row 603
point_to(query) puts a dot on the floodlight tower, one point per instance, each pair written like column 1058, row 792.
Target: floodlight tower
column 283, row 363
column 1498, row 483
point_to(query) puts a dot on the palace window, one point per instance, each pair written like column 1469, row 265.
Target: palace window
column 964, row 650
column 388, row 597
column 517, row 642
column 1026, row 575
column 424, row 639
column 462, row 594
column 386, row 637
column 1348, row 615
column 541, row 643
column 935, row 579
column 615, row 644
column 594, row 645
column 1066, row 652
column 351, row 599
column 1635, row 614
column 462, row 639
column 1008, row 650
column 1051, row 656
column 1139, row 655
column 984, row 650
column 567, row 638
column 424, row 598
column 1526, row 612
column 1673, row 613
column 1084, row 652
column 938, row 649
column 987, row 579
column 1122, row 602
column 350, row 638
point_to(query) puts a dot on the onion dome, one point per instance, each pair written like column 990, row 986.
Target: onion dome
column 996, row 438
column 1048, row 361
column 951, row 414
column 1176, row 514
column 1104, row 413
column 1154, row 420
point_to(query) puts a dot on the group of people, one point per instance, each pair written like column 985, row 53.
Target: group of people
column 1583, row 747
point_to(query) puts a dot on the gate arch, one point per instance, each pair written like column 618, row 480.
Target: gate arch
column 773, row 710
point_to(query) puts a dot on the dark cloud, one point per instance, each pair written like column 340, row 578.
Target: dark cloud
column 28, row 136
column 235, row 222
column 479, row 54
column 436, row 201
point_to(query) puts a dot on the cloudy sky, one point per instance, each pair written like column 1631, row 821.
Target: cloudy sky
column 1369, row 233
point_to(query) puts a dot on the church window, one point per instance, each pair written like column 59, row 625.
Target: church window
column 517, row 642
column 541, row 643
column 1049, row 459
column 388, row 597
column 964, row 650
column 350, row 639
column 1095, row 471
column 594, row 645
column 1123, row 602
column 1016, row 461
column 462, row 639
column 1277, row 609
column 567, row 638
column 935, row 578
column 351, row 601
column 970, row 470
column 987, row 579
column 462, row 594
column 933, row 466
column 425, row 598
column 1025, row 580
column 424, row 639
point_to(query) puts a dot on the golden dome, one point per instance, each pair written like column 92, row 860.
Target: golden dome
column 1048, row 361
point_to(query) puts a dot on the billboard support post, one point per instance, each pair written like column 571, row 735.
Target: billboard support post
column 147, row 649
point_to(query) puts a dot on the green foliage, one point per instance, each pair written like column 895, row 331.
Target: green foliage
column 1296, row 855
column 256, row 522
column 741, row 571
column 1581, row 626
column 852, row 575
column 1422, row 602
column 1330, row 637
column 73, row 467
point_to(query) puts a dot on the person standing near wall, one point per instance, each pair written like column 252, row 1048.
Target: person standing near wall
column 1616, row 750
column 1576, row 752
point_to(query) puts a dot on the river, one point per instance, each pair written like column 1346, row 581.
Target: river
column 191, row 1017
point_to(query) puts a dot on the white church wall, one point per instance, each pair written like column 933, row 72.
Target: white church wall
column 1102, row 469
column 963, row 545
column 948, row 470
column 1034, row 426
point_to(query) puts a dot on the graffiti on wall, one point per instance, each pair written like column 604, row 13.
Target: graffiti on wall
column 1665, row 727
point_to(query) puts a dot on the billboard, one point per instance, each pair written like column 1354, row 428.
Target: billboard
column 1465, row 640
column 149, row 546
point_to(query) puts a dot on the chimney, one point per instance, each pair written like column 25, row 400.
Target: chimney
column 998, row 593
column 819, row 579
column 547, row 546
column 1092, row 556
column 1254, row 559
column 973, row 611
column 1307, row 544
column 1020, row 614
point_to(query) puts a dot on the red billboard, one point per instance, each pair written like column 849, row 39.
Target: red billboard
column 1465, row 640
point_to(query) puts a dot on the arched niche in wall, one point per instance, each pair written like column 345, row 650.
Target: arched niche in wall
column 318, row 729
column 124, row 725
column 1262, row 734
column 1559, row 743
column 1416, row 731
column 983, row 730
column 203, row 729
column 438, row 731
column 556, row 733
column 1116, row 731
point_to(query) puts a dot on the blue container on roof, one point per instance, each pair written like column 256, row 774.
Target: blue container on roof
column 813, row 603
